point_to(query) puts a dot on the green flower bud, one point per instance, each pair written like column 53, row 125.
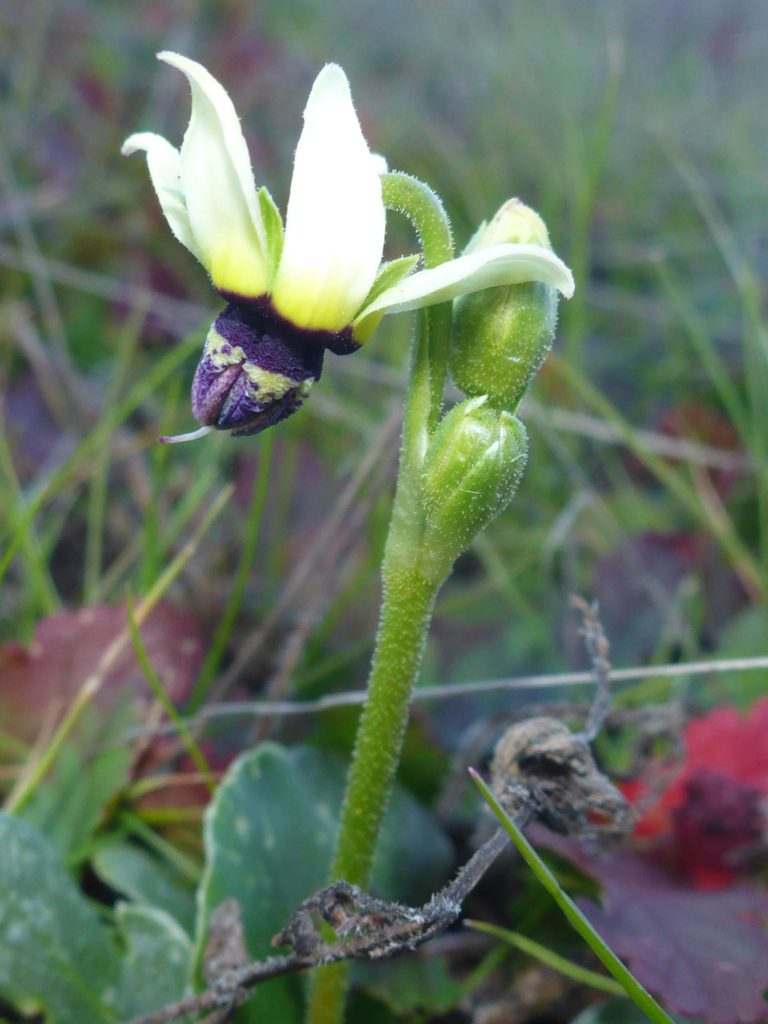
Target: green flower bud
column 472, row 468
column 513, row 222
column 501, row 336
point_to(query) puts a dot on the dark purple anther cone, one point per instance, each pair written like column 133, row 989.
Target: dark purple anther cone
column 256, row 370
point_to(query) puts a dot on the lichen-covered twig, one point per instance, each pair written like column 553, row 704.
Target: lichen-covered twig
column 598, row 650
column 370, row 928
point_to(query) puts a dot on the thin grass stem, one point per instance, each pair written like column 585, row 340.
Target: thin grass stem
column 631, row 986
column 221, row 637
column 548, row 957
column 161, row 695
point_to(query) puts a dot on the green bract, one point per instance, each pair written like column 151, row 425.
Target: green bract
column 473, row 466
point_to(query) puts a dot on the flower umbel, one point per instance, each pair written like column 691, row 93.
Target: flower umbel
column 317, row 284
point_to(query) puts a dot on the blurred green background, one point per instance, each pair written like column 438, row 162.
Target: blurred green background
column 637, row 130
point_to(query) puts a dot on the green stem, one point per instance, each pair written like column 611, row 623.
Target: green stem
column 405, row 617
column 423, row 207
column 409, row 594
column 416, row 200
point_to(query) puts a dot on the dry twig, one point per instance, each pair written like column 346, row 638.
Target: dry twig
column 598, row 650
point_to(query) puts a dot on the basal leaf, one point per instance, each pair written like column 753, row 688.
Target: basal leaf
column 55, row 953
column 155, row 967
column 67, row 647
column 269, row 838
column 135, row 872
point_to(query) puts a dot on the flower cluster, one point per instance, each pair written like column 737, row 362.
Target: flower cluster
column 319, row 283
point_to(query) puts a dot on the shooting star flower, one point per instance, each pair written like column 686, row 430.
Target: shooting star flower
column 317, row 284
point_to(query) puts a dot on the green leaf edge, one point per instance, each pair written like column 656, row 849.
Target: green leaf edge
column 390, row 274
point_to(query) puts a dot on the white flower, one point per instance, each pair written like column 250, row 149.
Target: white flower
column 310, row 282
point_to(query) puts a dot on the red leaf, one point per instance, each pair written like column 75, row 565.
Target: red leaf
column 704, row 954
column 67, row 647
column 712, row 814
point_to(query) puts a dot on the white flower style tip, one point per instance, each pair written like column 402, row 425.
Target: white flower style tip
column 318, row 273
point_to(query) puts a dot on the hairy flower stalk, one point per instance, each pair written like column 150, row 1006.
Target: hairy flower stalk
column 455, row 476
column 320, row 285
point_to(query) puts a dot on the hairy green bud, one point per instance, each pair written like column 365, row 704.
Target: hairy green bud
column 472, row 468
column 501, row 336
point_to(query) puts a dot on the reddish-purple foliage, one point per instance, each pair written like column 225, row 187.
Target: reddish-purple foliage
column 704, row 954
column 42, row 679
column 674, row 912
column 710, row 820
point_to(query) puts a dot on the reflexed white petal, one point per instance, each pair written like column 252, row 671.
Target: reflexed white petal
column 164, row 172
column 218, row 186
column 334, row 234
column 485, row 268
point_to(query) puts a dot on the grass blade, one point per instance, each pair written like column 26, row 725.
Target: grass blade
column 547, row 956
column 642, row 999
